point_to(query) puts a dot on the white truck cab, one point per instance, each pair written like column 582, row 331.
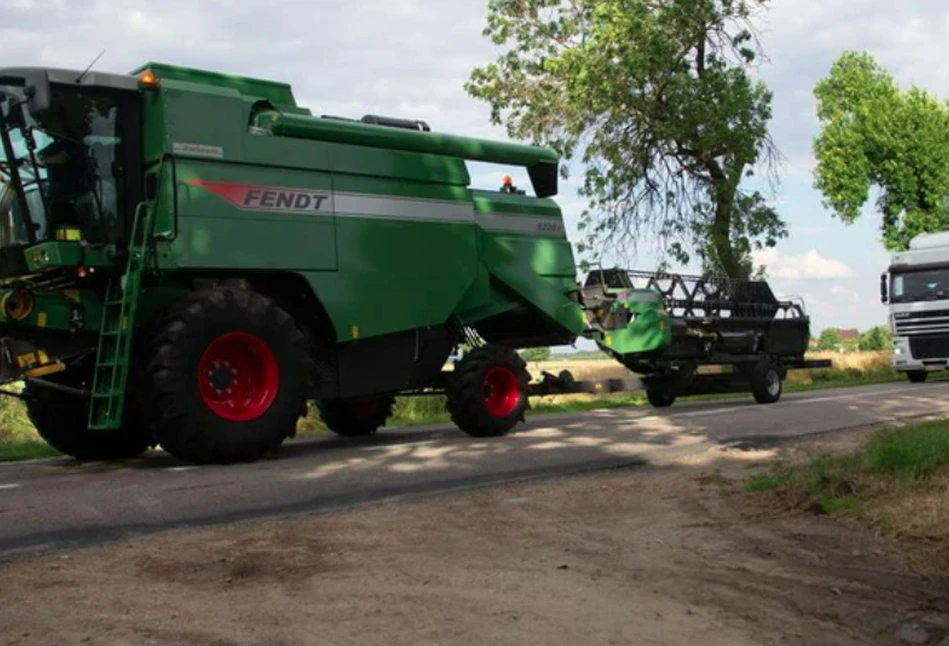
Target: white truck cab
column 916, row 287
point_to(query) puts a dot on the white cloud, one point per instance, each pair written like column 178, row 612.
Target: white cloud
column 807, row 265
column 845, row 292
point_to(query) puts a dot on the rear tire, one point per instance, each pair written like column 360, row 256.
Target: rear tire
column 917, row 376
column 487, row 391
column 227, row 377
column 355, row 418
column 766, row 383
column 660, row 397
column 62, row 421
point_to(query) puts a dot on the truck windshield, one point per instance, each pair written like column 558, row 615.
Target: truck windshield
column 922, row 285
column 66, row 165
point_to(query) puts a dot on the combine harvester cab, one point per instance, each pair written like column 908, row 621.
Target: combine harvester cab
column 692, row 335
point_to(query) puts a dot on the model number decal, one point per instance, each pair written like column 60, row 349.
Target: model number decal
column 549, row 227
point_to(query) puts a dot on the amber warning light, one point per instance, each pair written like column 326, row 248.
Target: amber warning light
column 148, row 79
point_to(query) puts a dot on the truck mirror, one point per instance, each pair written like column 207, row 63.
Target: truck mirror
column 38, row 92
column 883, row 293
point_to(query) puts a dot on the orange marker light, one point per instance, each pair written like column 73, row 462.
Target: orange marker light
column 149, row 79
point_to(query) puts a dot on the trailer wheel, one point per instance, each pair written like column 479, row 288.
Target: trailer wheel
column 227, row 377
column 62, row 419
column 766, row 383
column 660, row 397
column 917, row 376
column 487, row 392
column 355, row 418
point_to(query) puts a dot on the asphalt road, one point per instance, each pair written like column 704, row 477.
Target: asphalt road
column 61, row 503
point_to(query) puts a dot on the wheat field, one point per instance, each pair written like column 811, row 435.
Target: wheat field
column 607, row 368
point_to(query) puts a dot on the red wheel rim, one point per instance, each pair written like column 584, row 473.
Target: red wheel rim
column 501, row 391
column 238, row 377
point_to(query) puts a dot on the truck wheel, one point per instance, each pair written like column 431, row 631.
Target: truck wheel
column 660, row 397
column 62, row 421
column 227, row 377
column 487, row 392
column 917, row 376
column 355, row 418
column 766, row 384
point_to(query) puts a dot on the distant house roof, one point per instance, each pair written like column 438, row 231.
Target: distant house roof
column 848, row 335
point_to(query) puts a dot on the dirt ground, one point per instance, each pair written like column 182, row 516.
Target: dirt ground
column 672, row 554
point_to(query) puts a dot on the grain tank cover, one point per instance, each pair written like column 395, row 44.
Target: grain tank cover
column 274, row 91
column 411, row 136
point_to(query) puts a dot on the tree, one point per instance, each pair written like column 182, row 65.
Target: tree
column 829, row 340
column 536, row 354
column 876, row 339
column 874, row 135
column 655, row 99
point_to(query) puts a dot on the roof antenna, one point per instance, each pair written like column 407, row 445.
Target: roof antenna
column 86, row 71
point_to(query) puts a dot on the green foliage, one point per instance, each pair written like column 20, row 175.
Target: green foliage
column 829, row 340
column 655, row 100
column 875, row 340
column 535, row 354
column 874, row 135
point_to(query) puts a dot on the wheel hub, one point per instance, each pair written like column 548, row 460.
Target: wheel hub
column 222, row 376
column 501, row 391
column 238, row 377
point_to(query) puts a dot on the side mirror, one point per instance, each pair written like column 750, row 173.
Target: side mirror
column 38, row 92
column 883, row 292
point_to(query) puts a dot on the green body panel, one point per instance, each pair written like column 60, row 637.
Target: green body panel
column 49, row 255
column 648, row 331
column 274, row 91
column 213, row 234
column 398, row 243
column 359, row 134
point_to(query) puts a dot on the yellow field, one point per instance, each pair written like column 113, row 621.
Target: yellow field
column 610, row 369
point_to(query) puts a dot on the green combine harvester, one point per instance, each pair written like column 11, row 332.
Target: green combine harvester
column 188, row 258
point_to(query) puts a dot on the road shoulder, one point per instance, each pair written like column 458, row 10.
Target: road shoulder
column 676, row 553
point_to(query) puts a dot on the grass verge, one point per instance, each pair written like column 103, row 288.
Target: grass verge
column 897, row 481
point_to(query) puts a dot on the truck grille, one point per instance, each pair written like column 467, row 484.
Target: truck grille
column 914, row 323
column 929, row 347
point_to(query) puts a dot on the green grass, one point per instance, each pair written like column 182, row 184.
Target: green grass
column 18, row 438
column 892, row 460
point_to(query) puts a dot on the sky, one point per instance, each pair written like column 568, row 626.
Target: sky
column 410, row 58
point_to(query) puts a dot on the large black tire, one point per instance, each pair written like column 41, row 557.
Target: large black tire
column 227, row 377
column 355, row 418
column 487, row 391
column 660, row 397
column 61, row 420
column 766, row 382
column 917, row 376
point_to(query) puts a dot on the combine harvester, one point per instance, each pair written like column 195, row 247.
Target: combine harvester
column 188, row 258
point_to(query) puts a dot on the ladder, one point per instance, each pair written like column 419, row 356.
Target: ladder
column 115, row 335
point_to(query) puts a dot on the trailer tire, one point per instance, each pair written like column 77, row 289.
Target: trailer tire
column 660, row 397
column 211, row 342
column 355, row 418
column 766, row 382
column 488, row 414
column 917, row 376
column 62, row 419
